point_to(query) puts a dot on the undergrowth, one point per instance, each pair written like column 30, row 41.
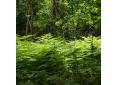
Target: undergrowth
column 54, row 61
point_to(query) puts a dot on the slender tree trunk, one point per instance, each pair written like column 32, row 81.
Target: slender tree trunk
column 54, row 28
column 29, row 15
column 54, row 8
column 62, row 16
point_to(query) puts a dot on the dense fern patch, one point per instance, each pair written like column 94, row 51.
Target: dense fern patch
column 54, row 61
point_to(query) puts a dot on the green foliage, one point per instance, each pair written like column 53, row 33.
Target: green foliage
column 73, row 18
column 54, row 61
column 71, row 56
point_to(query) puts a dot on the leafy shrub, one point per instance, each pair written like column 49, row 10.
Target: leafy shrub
column 53, row 61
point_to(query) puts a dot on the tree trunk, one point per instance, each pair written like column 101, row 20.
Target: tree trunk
column 54, row 28
column 29, row 15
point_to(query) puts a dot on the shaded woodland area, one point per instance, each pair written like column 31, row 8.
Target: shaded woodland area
column 58, row 42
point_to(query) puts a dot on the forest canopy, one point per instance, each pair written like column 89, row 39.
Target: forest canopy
column 67, row 18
